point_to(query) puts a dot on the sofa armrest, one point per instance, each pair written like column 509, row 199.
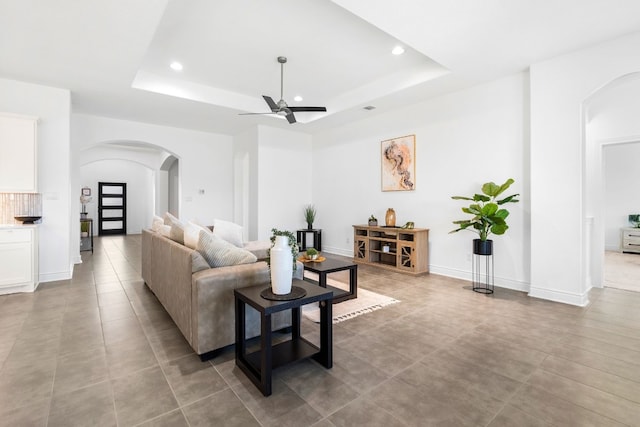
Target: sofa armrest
column 213, row 316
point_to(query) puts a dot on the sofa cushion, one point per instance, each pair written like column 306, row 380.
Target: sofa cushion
column 156, row 223
column 198, row 263
column 220, row 253
column 177, row 228
column 165, row 230
column 228, row 231
column 258, row 247
column 192, row 234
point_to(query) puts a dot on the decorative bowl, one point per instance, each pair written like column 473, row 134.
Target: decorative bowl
column 27, row 219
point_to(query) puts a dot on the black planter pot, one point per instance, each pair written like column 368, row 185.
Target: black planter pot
column 309, row 226
column 482, row 247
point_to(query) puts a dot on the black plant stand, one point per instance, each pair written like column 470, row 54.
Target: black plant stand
column 482, row 278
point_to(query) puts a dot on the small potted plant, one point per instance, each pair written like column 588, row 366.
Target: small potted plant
column 373, row 221
column 309, row 216
column 312, row 254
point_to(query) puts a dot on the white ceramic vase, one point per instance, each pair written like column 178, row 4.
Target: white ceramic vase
column 281, row 266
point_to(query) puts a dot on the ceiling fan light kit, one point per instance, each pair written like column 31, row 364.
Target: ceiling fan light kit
column 281, row 108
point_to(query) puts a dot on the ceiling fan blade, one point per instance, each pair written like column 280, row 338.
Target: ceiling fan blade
column 291, row 118
column 255, row 114
column 295, row 109
column 270, row 103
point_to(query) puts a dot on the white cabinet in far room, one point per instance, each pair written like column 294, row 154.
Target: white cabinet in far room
column 18, row 154
column 18, row 259
column 631, row 240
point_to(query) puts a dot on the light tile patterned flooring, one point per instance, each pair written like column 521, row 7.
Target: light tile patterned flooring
column 99, row 350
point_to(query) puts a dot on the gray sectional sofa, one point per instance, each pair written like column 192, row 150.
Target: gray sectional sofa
column 202, row 303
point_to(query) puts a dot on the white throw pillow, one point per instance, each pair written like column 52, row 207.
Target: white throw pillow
column 228, row 231
column 156, row 223
column 177, row 228
column 220, row 253
column 165, row 230
column 192, row 234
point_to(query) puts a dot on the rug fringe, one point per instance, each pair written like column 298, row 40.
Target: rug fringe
column 357, row 313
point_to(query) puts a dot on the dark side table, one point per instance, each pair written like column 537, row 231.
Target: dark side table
column 259, row 364
column 301, row 237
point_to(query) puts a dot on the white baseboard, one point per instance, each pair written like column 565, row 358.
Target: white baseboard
column 338, row 251
column 581, row 300
column 500, row 282
column 52, row 277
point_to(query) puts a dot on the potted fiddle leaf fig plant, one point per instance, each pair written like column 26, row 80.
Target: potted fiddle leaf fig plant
column 487, row 215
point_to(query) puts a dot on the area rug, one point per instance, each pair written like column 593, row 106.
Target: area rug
column 366, row 302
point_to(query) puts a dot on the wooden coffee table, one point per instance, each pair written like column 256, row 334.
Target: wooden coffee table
column 258, row 365
column 328, row 266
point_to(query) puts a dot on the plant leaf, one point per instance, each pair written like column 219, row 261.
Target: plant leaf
column 481, row 198
column 499, row 228
column 509, row 199
column 489, row 209
column 461, row 198
column 490, row 189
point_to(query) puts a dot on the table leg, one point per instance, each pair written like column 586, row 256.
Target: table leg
column 240, row 330
column 325, row 356
column 353, row 281
column 295, row 323
column 267, row 357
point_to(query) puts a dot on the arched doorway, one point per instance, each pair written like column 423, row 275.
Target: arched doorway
column 609, row 120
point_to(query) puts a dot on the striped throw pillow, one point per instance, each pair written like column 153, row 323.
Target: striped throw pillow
column 220, row 253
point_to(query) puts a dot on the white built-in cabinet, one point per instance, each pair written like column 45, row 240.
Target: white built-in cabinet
column 18, row 259
column 18, row 154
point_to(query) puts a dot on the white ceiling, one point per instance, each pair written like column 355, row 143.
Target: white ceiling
column 114, row 55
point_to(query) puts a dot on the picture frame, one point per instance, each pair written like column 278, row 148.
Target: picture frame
column 86, row 191
column 398, row 163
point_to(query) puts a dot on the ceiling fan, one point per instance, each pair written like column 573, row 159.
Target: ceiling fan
column 281, row 108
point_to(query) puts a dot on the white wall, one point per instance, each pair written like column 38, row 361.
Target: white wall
column 284, row 179
column 140, row 182
column 463, row 139
column 560, row 259
column 205, row 160
column 59, row 227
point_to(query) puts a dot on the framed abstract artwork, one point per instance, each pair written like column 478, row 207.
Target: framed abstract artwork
column 398, row 157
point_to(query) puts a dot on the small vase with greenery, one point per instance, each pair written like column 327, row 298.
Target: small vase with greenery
column 312, row 253
column 487, row 215
column 293, row 244
column 373, row 221
column 310, row 216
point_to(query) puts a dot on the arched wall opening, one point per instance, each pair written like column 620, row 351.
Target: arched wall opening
column 609, row 117
column 151, row 172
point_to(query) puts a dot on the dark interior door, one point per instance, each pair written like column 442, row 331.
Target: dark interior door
column 112, row 208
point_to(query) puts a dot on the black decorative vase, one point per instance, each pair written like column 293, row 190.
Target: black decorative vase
column 482, row 247
column 309, row 226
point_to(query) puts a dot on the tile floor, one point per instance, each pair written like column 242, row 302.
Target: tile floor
column 99, row 350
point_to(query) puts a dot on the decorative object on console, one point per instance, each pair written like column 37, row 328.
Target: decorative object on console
column 309, row 216
column 85, row 197
column 390, row 218
column 373, row 221
column 487, row 218
column 408, row 225
column 398, row 158
column 634, row 219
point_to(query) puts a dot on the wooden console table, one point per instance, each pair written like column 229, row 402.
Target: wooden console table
column 393, row 248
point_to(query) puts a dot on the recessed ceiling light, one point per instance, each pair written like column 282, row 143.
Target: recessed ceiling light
column 176, row 66
column 297, row 98
column 398, row 50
